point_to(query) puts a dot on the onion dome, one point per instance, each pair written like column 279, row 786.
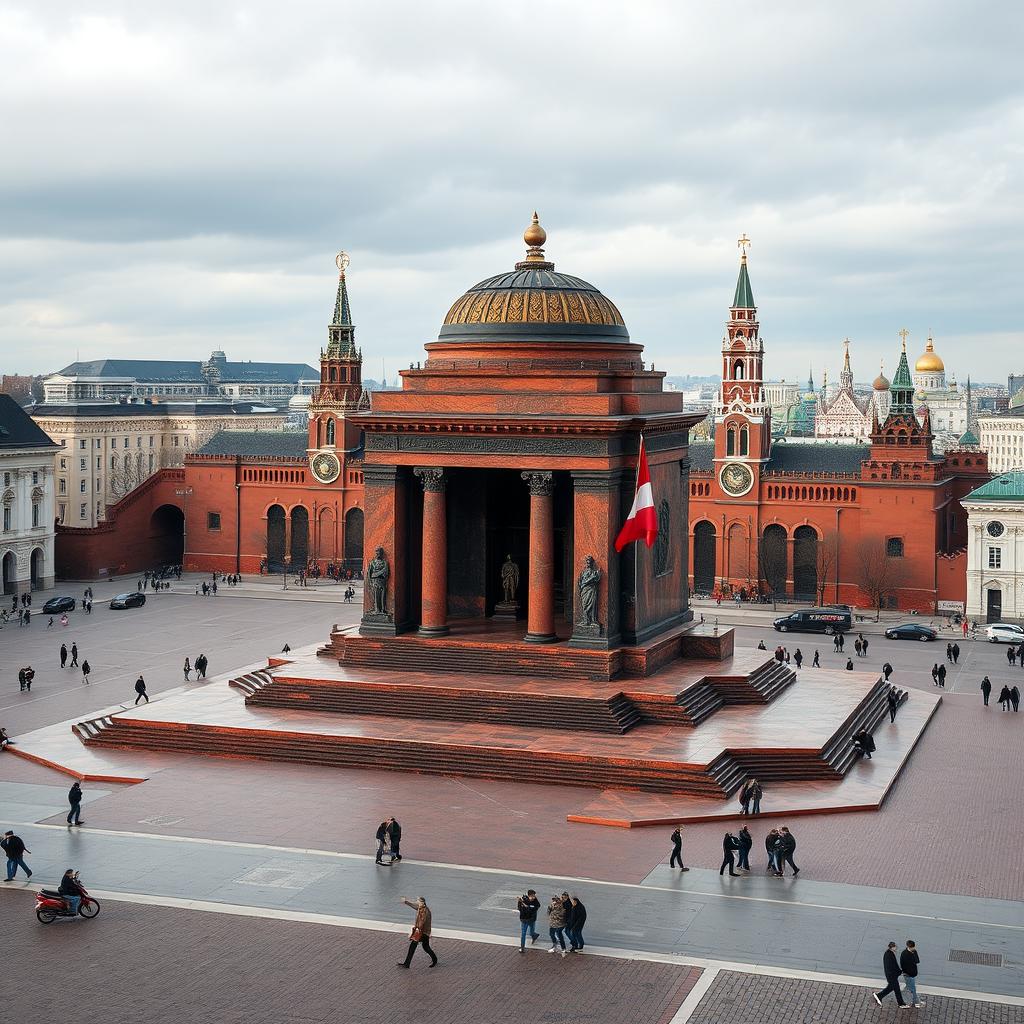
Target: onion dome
column 929, row 362
column 533, row 303
column 881, row 382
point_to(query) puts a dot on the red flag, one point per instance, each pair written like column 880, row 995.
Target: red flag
column 642, row 521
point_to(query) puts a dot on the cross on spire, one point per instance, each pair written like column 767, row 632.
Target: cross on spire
column 904, row 334
column 743, row 243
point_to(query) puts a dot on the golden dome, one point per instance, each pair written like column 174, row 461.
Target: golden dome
column 881, row 382
column 929, row 361
column 535, row 236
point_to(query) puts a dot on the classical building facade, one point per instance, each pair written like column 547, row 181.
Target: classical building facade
column 1002, row 436
column 117, row 380
column 995, row 555
column 857, row 523
column 949, row 406
column 110, row 448
column 275, row 500
column 26, row 501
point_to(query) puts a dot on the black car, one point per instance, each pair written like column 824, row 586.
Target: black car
column 133, row 600
column 56, row 605
column 911, row 631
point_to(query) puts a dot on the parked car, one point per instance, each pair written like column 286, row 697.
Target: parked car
column 911, row 631
column 1004, row 633
column 56, row 605
column 133, row 600
column 815, row 620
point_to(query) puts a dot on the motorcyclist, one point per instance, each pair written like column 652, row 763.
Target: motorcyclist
column 71, row 890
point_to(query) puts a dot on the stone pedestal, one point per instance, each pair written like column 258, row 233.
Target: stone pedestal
column 506, row 611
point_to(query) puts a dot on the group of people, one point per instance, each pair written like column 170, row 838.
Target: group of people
column 73, row 662
column 1014, row 655
column 1009, row 696
column 779, row 844
column 200, row 664
column 904, row 965
column 566, row 917
column 783, row 657
column 389, row 841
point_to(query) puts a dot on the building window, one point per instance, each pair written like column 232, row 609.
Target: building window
column 81, row 444
column 213, row 520
column 82, row 513
column 81, row 486
column 174, row 441
column 99, row 484
column 35, row 514
column 138, row 441
column 35, row 477
column 63, row 463
column 62, row 511
column 99, row 510
column 81, row 465
column 150, row 440
column 98, row 444
column 113, row 462
column 730, row 441
column 330, row 431
column 62, row 486
column 894, row 547
column 995, row 558
column 151, row 462
column 744, row 441
column 7, row 518
column 126, row 442
column 99, row 462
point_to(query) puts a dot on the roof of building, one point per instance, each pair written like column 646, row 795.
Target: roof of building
column 794, row 457
column 18, row 429
column 744, row 297
column 1005, row 487
column 929, row 361
column 190, row 371
column 99, row 410
column 268, row 443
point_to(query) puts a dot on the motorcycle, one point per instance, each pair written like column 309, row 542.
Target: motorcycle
column 50, row 905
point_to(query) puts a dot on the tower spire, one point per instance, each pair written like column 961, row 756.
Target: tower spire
column 341, row 332
column 846, row 375
column 744, row 297
column 902, row 387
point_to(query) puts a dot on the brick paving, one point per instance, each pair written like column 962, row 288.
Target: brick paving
column 752, row 999
column 165, row 966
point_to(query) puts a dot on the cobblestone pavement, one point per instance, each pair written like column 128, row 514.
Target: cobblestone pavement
column 165, row 966
column 736, row 998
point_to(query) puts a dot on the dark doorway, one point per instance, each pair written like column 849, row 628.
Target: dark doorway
column 507, row 517
column 354, row 539
column 300, row 538
column 993, row 605
column 10, row 573
column 772, row 557
column 703, row 558
column 167, row 535
column 37, row 568
column 275, row 538
column 805, row 564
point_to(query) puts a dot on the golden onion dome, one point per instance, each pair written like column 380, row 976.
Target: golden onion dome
column 533, row 301
column 881, row 382
column 929, row 361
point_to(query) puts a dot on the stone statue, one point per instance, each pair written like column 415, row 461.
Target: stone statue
column 588, row 583
column 509, row 579
column 377, row 574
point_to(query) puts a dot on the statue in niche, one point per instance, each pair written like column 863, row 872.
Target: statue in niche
column 509, row 579
column 377, row 574
column 588, row 583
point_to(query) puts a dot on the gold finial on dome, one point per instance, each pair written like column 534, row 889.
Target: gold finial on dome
column 535, row 237
column 743, row 243
column 929, row 361
column 904, row 334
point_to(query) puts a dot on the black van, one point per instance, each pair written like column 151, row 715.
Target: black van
column 816, row 620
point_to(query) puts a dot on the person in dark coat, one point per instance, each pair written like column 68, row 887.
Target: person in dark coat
column 1004, row 698
column 74, row 655
column 75, row 799
column 771, row 846
column 935, row 674
column 798, row 657
column 395, row 838
column 942, row 676
column 949, row 653
column 528, row 906
column 909, row 959
column 1015, row 698
column 140, row 690
column 21, row 679
column 746, row 841
column 576, row 920
column 1011, row 655
column 956, row 653
column 864, row 645
column 857, row 646
column 63, row 655
column 891, row 968
column 816, row 663
column 382, row 840
column 15, row 848
column 887, row 671
column 894, row 703
column 986, row 689
column 30, row 674
column 849, row 664
column 86, row 669
column 200, row 665
column 864, row 742
column 677, row 850
column 730, row 844
column 787, row 847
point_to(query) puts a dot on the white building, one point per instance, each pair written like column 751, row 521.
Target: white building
column 1002, row 436
column 845, row 414
column 948, row 405
column 995, row 549
column 27, row 501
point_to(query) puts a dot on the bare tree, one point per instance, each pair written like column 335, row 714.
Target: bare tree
column 771, row 563
column 827, row 562
column 877, row 573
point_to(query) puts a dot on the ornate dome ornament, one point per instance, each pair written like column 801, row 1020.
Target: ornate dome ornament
column 881, row 382
column 533, row 302
column 929, row 362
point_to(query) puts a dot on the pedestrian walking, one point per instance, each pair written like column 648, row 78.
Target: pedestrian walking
column 817, row 661
column 556, row 924
column 528, row 906
column 909, row 961
column 382, row 840
column 887, row 671
column 857, row 646
column 1015, row 697
column 577, row 919
column 74, row 655
column 49, row 625
column 86, row 669
column 842, row 643
column 942, row 676
column 730, row 844
column 15, row 849
column 864, row 742
column 187, row 669
column 949, row 653
column 21, row 680
column 798, row 658
column 75, row 800
column 395, row 839
column 746, row 841
column 956, row 652
column 1004, row 698
column 63, row 655
column 30, row 674
column 835, row 642
column 891, row 969
column 893, row 700
column 864, row 644
column 420, row 935
column 140, row 690
column 1011, row 655
column 935, row 674
column 677, row 850
column 787, row 847
column 986, row 689
column 200, row 664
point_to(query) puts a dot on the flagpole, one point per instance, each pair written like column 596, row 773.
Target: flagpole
column 636, row 560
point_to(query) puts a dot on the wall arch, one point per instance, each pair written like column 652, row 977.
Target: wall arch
column 704, row 557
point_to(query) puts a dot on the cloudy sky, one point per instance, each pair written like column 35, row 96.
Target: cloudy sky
column 178, row 177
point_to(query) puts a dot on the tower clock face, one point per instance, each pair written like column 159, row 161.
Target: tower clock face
column 995, row 529
column 736, row 479
column 325, row 467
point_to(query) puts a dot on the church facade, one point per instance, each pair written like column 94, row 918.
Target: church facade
column 876, row 522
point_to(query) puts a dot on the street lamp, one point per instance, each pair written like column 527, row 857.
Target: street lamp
column 184, row 492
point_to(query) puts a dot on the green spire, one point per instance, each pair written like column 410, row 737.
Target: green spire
column 341, row 332
column 902, row 386
column 744, row 297
column 342, row 309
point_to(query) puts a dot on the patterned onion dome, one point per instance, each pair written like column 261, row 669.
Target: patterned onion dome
column 533, row 302
column 929, row 361
column 881, row 382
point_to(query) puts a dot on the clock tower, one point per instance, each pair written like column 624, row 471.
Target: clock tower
column 742, row 417
column 340, row 391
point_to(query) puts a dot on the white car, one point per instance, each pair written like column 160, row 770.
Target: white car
column 1004, row 633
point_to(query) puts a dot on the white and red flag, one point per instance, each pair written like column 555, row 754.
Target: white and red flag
column 642, row 521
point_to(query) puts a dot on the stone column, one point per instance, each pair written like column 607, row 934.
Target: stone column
column 540, row 617
column 434, row 588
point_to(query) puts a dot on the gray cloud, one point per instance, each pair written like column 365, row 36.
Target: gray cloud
column 178, row 177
